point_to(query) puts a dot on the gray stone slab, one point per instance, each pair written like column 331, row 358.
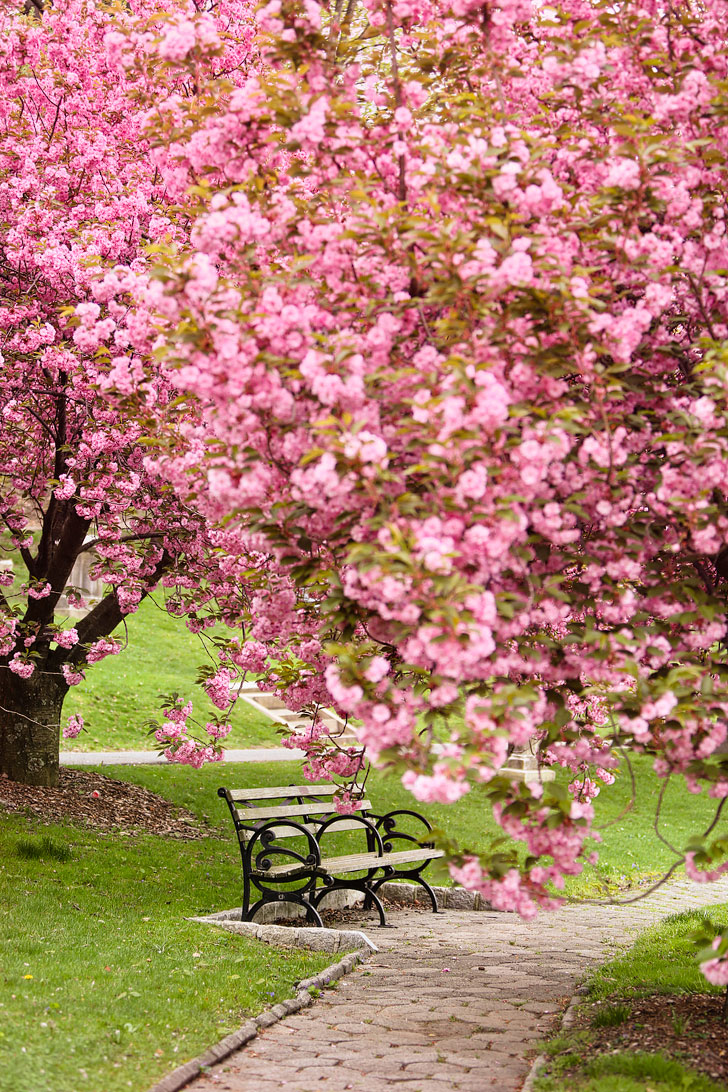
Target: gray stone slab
column 291, row 936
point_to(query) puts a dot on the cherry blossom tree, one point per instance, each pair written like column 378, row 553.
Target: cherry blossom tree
column 457, row 296
column 452, row 306
column 82, row 208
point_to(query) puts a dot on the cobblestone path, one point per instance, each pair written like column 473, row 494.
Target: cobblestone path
column 456, row 1001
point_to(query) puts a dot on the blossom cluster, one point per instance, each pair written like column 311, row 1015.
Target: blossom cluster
column 452, row 350
column 82, row 201
column 178, row 745
column 461, row 340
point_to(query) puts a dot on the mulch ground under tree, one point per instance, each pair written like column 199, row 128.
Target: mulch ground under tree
column 119, row 805
column 686, row 1027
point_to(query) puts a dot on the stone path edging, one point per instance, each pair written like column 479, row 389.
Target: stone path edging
column 181, row 1076
column 448, row 898
column 533, row 1072
column 453, row 1002
column 567, row 1020
column 409, row 895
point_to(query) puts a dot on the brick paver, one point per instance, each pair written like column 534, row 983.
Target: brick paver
column 456, row 1001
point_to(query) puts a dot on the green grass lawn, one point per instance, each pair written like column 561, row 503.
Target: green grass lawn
column 629, row 854
column 122, row 693
column 105, row 986
column 661, row 962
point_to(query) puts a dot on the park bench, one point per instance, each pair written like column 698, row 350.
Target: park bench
column 290, row 840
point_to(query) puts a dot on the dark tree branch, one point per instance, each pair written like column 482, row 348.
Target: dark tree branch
column 45, row 546
column 62, row 554
column 702, row 571
column 716, row 818
column 103, row 619
column 123, row 538
column 25, row 553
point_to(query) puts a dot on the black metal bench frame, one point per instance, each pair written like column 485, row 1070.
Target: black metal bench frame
column 304, row 813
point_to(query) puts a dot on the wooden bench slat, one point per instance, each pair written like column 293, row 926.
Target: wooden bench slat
column 313, row 828
column 272, row 792
column 404, row 855
column 352, row 863
column 247, row 815
column 356, row 862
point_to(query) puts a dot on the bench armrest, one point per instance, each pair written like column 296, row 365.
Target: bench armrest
column 264, row 844
column 370, row 827
column 388, row 824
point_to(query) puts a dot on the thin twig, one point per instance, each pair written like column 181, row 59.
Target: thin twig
column 658, row 810
column 715, row 818
column 636, row 898
column 123, row 538
column 633, row 795
column 31, row 720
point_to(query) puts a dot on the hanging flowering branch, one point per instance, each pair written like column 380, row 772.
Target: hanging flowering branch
column 457, row 303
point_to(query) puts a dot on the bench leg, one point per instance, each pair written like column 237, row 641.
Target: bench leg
column 383, row 924
column 417, row 879
column 246, row 899
column 312, row 913
column 430, row 892
column 370, row 896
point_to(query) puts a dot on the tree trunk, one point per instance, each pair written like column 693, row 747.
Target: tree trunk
column 30, row 716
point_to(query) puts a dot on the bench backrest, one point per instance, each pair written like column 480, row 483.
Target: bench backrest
column 308, row 806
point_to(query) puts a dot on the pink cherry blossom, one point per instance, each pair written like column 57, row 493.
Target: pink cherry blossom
column 73, row 727
column 716, row 971
column 22, row 668
column 84, row 190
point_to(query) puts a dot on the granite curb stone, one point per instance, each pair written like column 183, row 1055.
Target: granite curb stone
column 448, row 898
column 402, row 894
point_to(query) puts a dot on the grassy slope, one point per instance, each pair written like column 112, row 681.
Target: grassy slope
column 121, row 693
column 104, row 985
column 662, row 960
